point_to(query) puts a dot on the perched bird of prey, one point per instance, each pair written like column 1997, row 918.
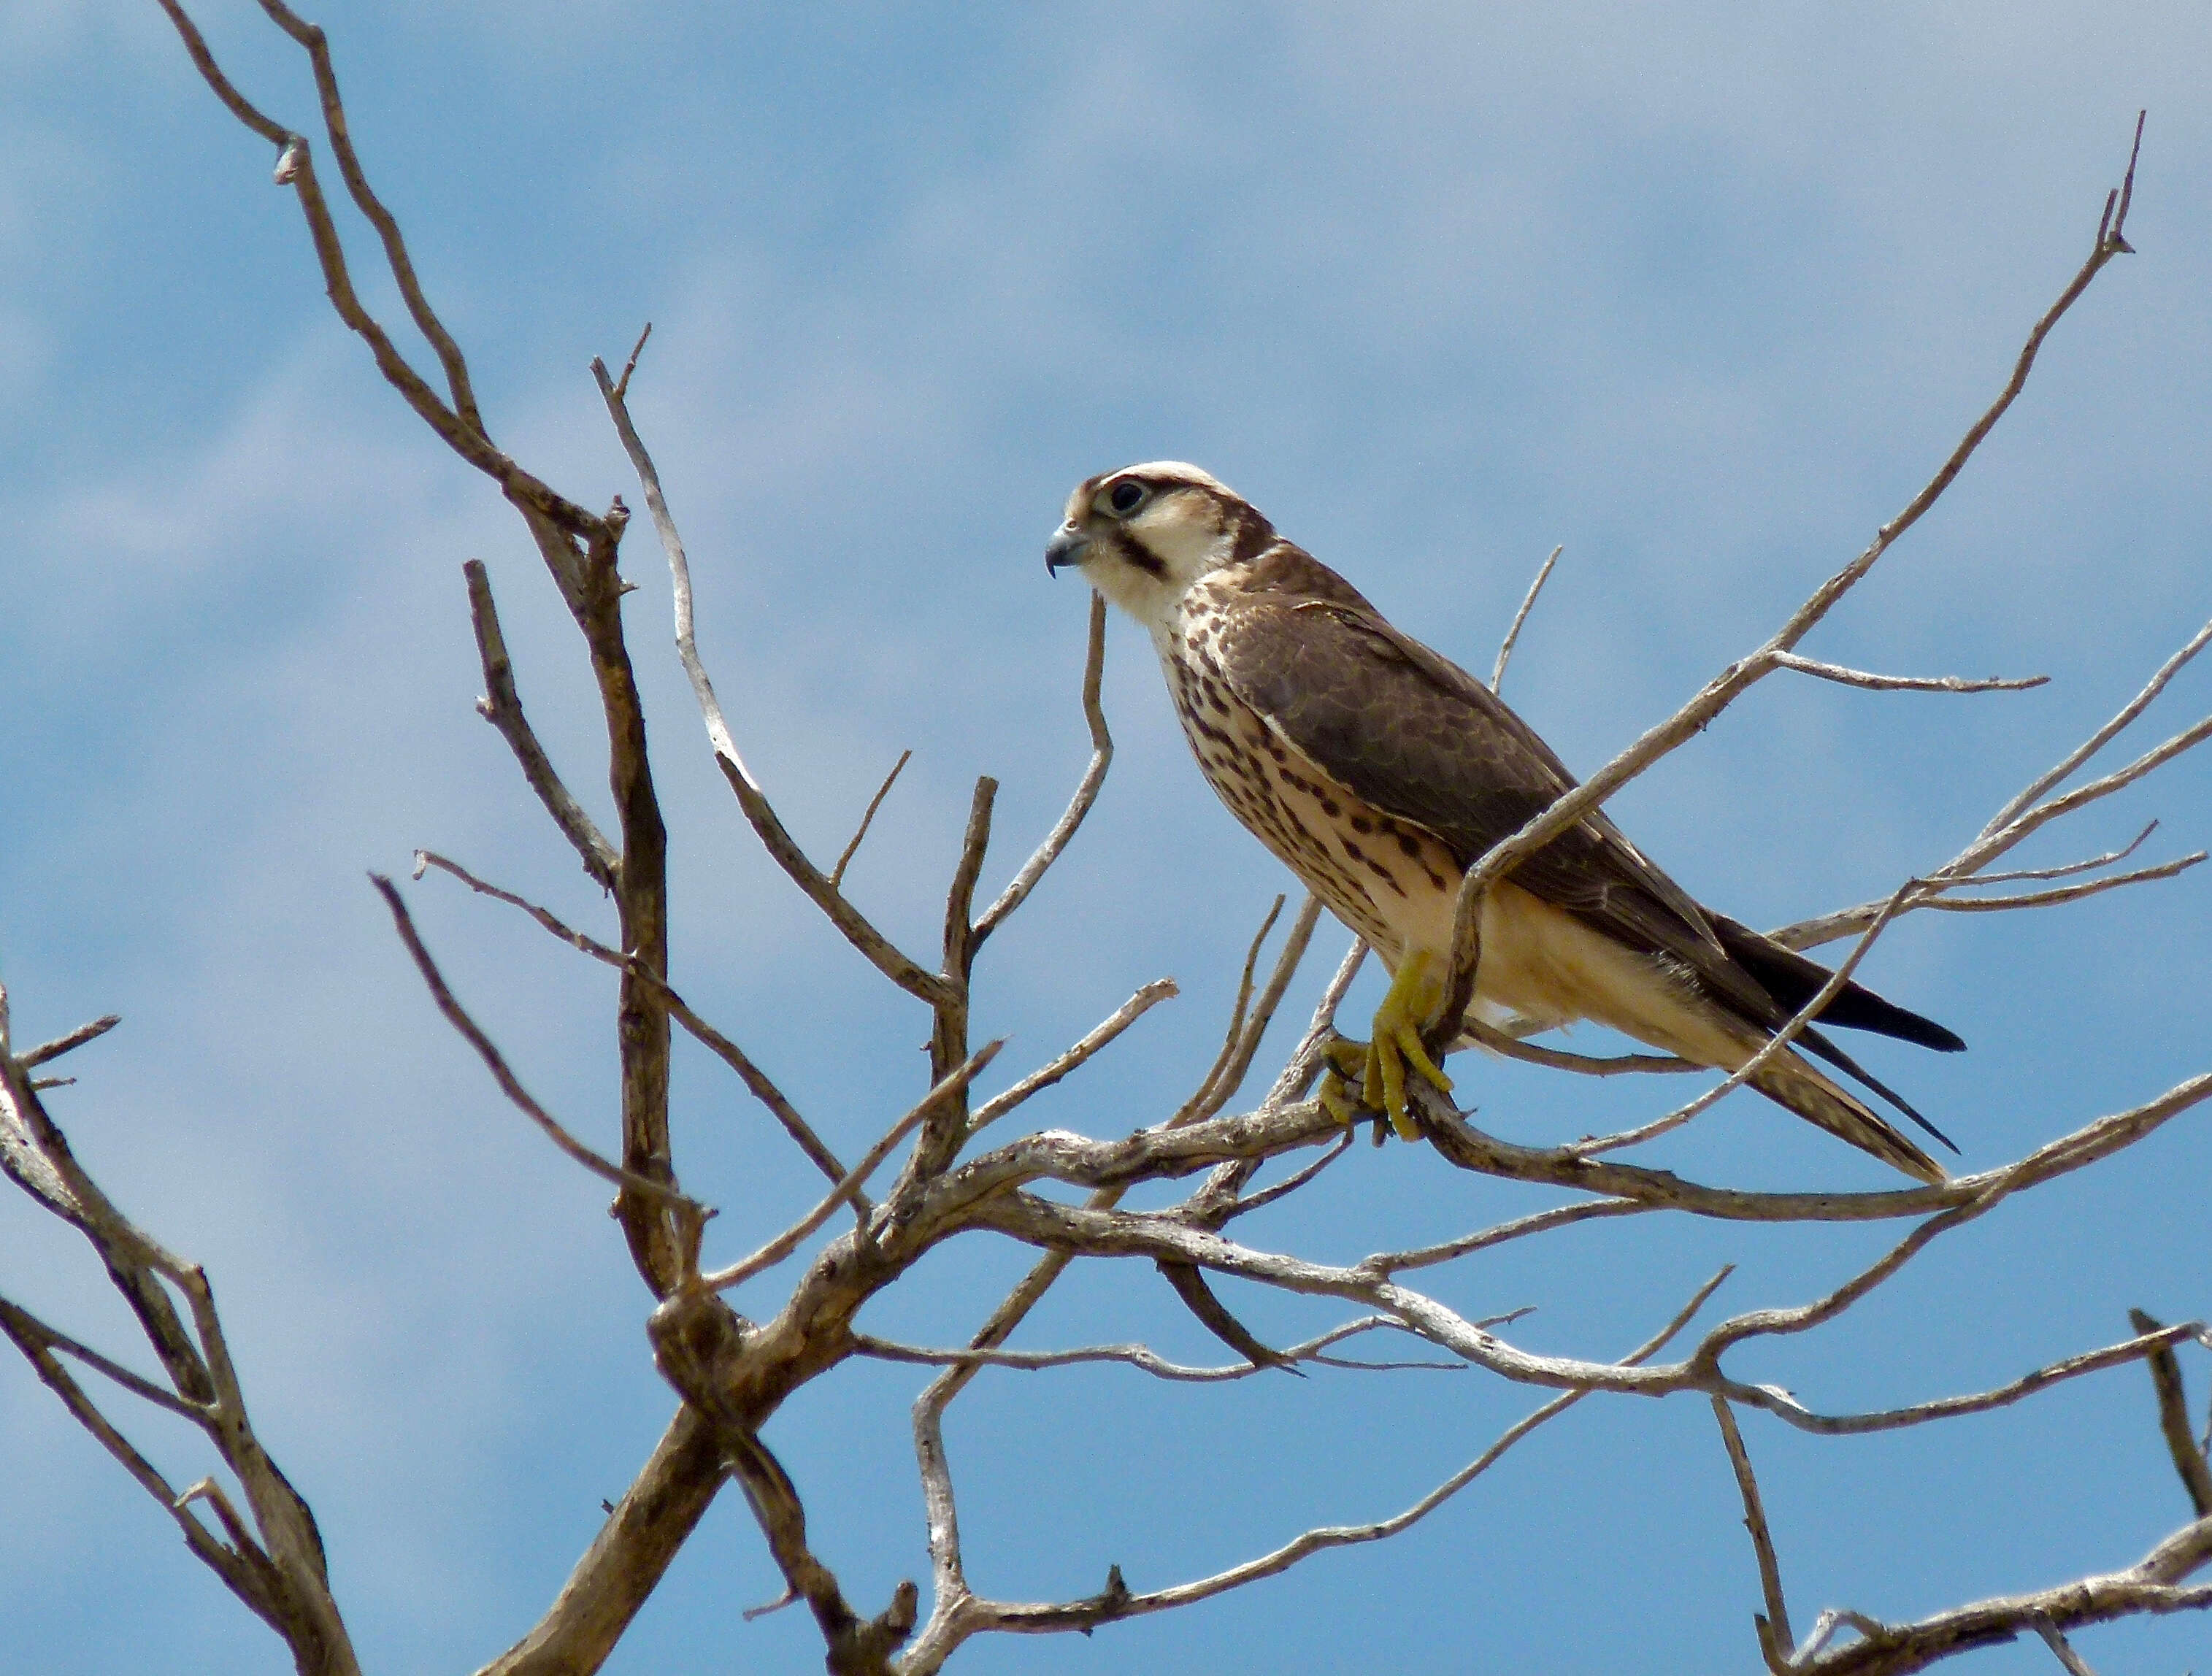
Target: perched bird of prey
column 1379, row 772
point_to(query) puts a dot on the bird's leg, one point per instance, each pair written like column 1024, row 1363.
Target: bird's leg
column 1380, row 1063
column 1347, row 1059
column 1411, row 997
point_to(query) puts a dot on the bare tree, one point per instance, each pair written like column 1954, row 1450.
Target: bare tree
column 949, row 1180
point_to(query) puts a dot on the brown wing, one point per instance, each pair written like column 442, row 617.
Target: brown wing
column 1418, row 737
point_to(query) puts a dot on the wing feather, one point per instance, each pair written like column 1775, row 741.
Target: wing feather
column 1419, row 739
column 1422, row 740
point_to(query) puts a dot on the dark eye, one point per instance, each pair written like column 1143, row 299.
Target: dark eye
column 1126, row 497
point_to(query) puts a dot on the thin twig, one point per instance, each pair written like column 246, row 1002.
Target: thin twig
column 1763, row 1323
column 1246, row 1204
column 1045, row 1076
column 837, row 873
column 236, row 1569
column 23, row 1324
column 1147, row 1361
column 1304, row 1064
column 2056, row 1641
column 1527, row 604
column 2064, row 768
column 1386, row 1263
column 2024, row 815
column 768, row 826
column 1086, row 791
column 1775, row 1636
column 501, row 706
column 1485, row 1034
column 1220, row 1196
column 756, row 1080
column 853, row 1645
column 2068, row 869
column 68, row 1043
column 2189, row 1460
column 461, row 431
column 857, row 1178
column 1906, row 683
column 2065, row 893
column 1985, row 850
column 236, row 103
column 960, row 896
column 1731, row 683
column 1823, row 1631
column 457, row 1016
column 207, row 1490
column 1230, row 1038
column 946, row 1127
column 1826, row 927
column 366, row 200
column 1261, row 1013
column 621, row 383
column 1785, row 1407
column 768, row 1609
column 1771, row 1048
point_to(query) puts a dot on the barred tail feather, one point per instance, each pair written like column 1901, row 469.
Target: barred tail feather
column 1788, row 1081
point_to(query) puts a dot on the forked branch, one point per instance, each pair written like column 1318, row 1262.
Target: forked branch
column 766, row 825
column 509, row 1085
column 1724, row 689
column 734, row 1373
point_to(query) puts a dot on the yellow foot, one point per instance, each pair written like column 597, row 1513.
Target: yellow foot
column 1335, row 1094
column 1380, row 1063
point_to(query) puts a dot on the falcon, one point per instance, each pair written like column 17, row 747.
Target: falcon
column 1380, row 773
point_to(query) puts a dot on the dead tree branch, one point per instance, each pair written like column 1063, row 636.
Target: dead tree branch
column 1521, row 617
column 1906, row 683
column 2173, row 1412
column 69, row 1043
column 501, row 706
column 495, row 1062
column 2025, row 814
column 278, row 1567
column 1775, row 1637
column 756, row 1081
column 1724, row 689
column 1086, row 790
column 970, row 1615
column 733, row 1375
column 868, row 818
column 766, row 824
column 2153, row 1586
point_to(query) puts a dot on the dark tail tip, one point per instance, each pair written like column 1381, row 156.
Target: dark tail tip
column 1792, row 980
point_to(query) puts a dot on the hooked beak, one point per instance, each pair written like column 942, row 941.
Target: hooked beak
column 1068, row 546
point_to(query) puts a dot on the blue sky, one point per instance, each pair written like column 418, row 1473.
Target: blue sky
column 1703, row 294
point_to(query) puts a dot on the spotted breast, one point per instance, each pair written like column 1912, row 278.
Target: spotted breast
column 1389, row 880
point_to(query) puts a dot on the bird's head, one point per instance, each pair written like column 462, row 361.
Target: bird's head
column 1141, row 536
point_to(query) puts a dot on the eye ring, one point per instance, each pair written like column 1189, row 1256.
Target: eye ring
column 1126, row 496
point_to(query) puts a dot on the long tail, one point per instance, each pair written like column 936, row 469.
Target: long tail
column 1788, row 1081
column 1718, row 1011
column 1792, row 981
